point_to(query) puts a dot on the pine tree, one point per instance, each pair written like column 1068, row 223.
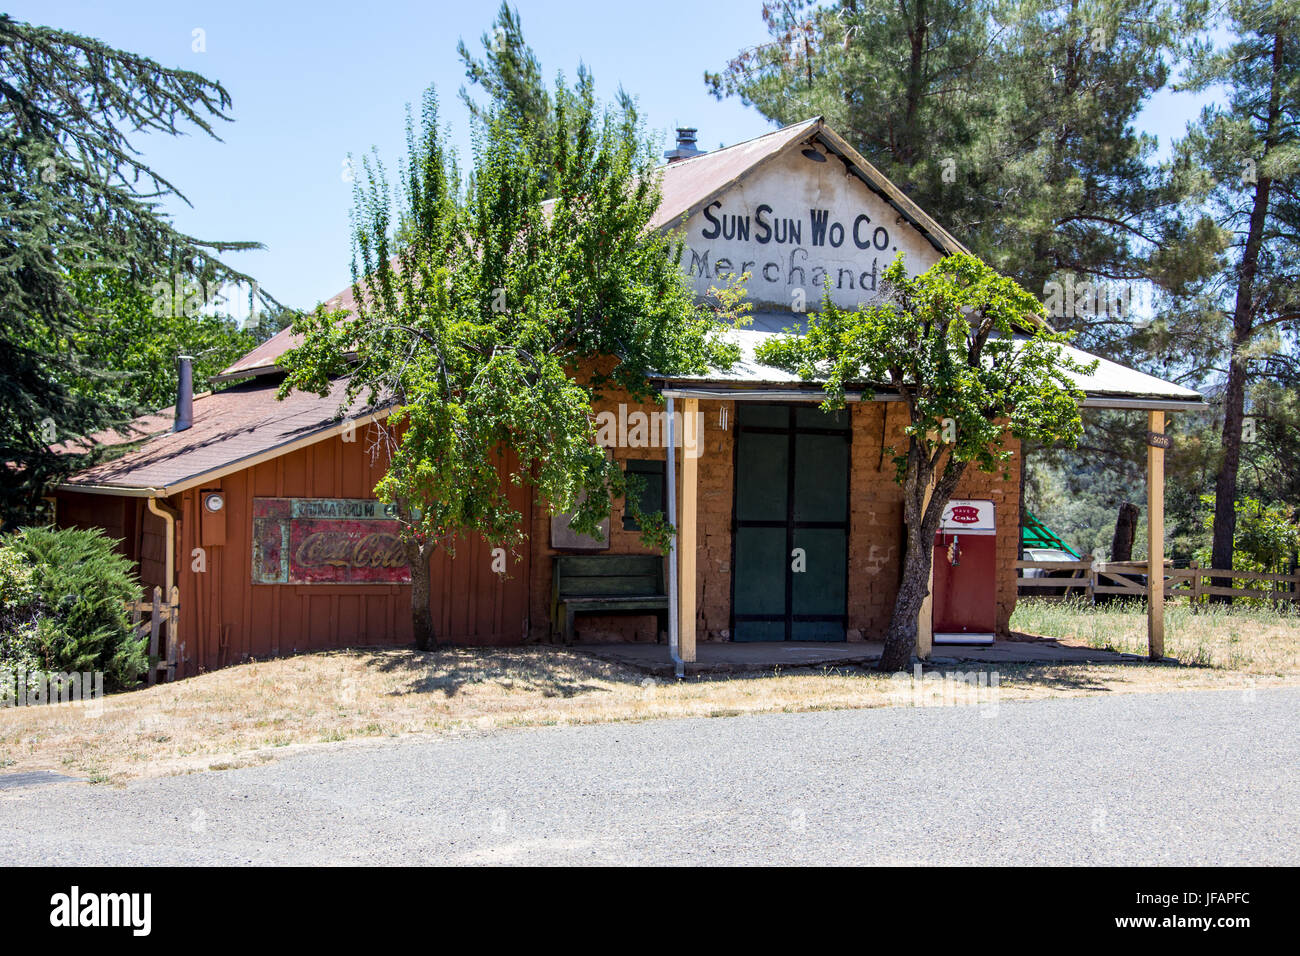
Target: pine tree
column 511, row 76
column 1246, row 155
column 907, row 85
column 75, row 197
column 1011, row 123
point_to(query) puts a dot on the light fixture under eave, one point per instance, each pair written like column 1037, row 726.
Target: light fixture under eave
column 813, row 153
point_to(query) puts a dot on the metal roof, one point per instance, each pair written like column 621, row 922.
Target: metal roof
column 1111, row 385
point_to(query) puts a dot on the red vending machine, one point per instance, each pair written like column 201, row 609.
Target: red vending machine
column 965, row 574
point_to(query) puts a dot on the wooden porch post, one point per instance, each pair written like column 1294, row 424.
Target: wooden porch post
column 1156, row 535
column 925, row 620
column 686, row 531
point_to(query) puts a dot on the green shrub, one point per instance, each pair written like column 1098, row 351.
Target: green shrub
column 1267, row 536
column 81, row 588
column 19, row 610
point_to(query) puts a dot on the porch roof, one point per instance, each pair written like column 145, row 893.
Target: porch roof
column 1111, row 385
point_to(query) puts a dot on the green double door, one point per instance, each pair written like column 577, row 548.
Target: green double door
column 791, row 523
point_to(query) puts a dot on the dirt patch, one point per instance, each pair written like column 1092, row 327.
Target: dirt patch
column 254, row 712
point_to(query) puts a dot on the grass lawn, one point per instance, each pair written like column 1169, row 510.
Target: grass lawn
column 1249, row 640
column 253, row 712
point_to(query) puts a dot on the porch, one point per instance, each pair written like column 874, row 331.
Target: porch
column 1110, row 386
column 724, row 657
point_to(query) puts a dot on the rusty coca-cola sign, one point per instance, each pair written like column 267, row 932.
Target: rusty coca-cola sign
column 326, row 541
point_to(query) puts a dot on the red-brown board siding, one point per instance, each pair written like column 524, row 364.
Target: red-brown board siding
column 140, row 534
column 113, row 515
column 225, row 618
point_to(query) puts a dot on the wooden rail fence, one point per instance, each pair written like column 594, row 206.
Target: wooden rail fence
column 161, row 626
column 1087, row 578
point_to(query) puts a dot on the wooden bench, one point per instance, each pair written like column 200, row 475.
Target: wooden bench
column 606, row 584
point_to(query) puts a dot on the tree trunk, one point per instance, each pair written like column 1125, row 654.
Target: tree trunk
column 900, row 639
column 426, row 637
column 1225, row 486
column 922, row 518
column 1234, row 398
column 1121, row 545
column 1243, row 321
column 916, row 32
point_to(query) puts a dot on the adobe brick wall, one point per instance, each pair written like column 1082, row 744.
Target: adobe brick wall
column 713, row 503
column 876, row 520
column 875, row 531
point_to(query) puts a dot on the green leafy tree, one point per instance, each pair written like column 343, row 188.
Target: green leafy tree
column 1268, row 536
column 75, row 196
column 133, row 335
column 967, row 352
column 1245, row 156
column 1016, row 125
column 479, row 316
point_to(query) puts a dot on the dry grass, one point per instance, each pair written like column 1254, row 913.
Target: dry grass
column 1249, row 640
column 255, row 712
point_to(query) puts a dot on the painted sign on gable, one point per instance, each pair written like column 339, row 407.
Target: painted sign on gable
column 795, row 226
column 326, row 541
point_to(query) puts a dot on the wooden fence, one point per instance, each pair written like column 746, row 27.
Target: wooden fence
column 1087, row 579
column 161, row 626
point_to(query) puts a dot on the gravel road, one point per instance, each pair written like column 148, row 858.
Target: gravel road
column 1186, row 778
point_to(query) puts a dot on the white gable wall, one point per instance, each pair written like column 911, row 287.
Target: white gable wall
column 794, row 224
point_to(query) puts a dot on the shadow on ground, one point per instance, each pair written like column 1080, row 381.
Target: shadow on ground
column 552, row 672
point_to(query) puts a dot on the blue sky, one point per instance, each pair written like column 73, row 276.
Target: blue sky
column 312, row 82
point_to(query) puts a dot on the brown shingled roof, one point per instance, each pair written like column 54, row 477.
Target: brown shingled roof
column 136, row 430
column 261, row 360
column 232, row 429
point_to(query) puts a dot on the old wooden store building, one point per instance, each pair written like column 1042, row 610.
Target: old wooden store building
column 262, row 512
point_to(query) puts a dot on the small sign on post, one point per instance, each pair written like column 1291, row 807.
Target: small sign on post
column 1159, row 440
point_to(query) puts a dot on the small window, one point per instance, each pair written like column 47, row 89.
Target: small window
column 653, row 493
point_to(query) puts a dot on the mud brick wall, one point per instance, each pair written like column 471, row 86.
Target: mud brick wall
column 875, row 530
column 875, row 518
column 713, row 535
